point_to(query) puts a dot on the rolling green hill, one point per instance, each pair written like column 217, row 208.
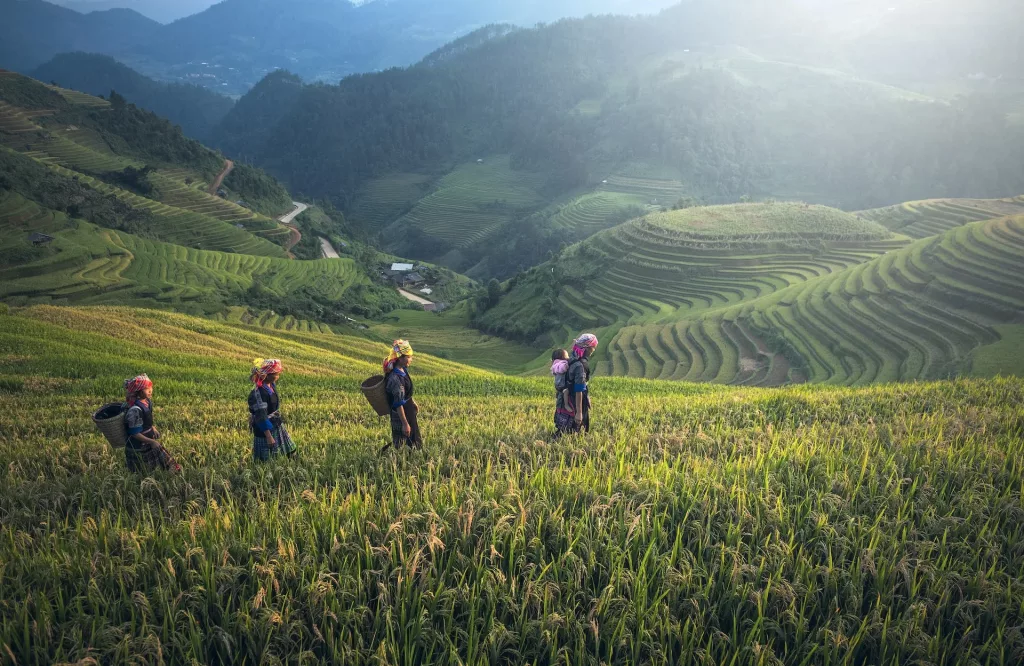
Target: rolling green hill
column 820, row 522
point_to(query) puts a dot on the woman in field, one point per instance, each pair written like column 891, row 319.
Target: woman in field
column 405, row 430
column 269, row 436
column 142, row 452
column 563, row 410
column 577, row 380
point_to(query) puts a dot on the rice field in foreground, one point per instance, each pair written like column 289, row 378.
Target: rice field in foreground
column 696, row 525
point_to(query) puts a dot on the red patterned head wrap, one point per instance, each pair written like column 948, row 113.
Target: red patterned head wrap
column 262, row 368
column 134, row 386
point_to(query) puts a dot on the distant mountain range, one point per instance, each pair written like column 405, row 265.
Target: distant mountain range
column 158, row 10
column 233, row 44
column 196, row 109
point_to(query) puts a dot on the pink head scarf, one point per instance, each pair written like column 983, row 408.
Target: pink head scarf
column 583, row 343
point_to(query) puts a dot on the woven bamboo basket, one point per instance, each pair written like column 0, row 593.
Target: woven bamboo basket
column 376, row 394
column 110, row 421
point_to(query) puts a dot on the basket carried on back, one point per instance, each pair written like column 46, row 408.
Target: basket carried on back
column 377, row 395
column 110, row 420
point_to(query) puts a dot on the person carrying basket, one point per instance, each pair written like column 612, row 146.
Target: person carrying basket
column 270, row 438
column 142, row 451
column 405, row 429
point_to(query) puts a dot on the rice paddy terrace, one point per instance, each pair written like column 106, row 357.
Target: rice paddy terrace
column 474, row 201
column 696, row 523
column 920, row 219
column 671, row 265
column 85, row 264
column 927, row 310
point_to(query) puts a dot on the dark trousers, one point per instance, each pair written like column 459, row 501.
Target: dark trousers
column 398, row 438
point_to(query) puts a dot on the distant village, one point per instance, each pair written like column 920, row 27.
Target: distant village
column 417, row 283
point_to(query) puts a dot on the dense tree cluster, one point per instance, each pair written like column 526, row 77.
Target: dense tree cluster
column 260, row 191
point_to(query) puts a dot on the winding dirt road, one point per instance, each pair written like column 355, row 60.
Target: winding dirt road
column 288, row 220
column 219, row 180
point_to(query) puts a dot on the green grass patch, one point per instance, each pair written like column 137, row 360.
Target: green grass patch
column 1002, row 358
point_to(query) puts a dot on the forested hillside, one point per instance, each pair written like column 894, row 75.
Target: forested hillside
column 196, row 109
column 612, row 106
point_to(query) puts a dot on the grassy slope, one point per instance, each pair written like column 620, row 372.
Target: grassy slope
column 450, row 336
column 696, row 524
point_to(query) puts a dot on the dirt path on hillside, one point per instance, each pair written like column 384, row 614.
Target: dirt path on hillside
column 219, row 180
column 413, row 297
column 328, row 249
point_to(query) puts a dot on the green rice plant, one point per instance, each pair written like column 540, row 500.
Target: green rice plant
column 696, row 523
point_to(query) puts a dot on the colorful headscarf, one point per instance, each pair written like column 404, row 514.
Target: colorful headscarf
column 583, row 343
column 135, row 385
column 399, row 349
column 261, row 368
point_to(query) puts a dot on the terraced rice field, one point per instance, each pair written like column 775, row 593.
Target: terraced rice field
column 16, row 121
column 271, row 321
column 651, row 186
column 188, row 228
column 593, row 212
column 654, row 271
column 921, row 219
column 62, row 150
column 83, row 151
column 80, row 98
column 383, row 200
column 174, row 192
column 916, row 313
column 475, row 200
column 89, row 265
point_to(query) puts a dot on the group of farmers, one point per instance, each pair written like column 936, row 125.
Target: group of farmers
column 144, row 450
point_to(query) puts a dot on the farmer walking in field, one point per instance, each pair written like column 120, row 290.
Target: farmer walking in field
column 563, row 409
column 405, row 430
column 577, row 380
column 270, row 438
column 142, row 451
